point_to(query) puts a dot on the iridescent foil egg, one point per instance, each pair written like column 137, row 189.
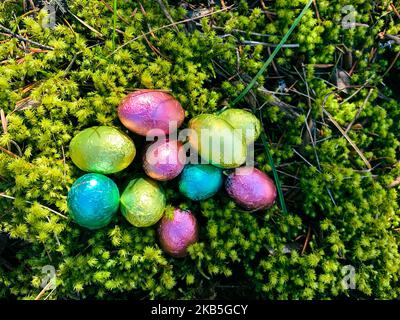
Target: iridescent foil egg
column 144, row 110
column 143, row 202
column 164, row 159
column 102, row 150
column 251, row 188
column 216, row 141
column 200, row 181
column 245, row 121
column 178, row 233
column 93, row 200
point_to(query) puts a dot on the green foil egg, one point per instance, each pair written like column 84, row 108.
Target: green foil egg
column 244, row 120
column 102, row 150
column 217, row 142
column 143, row 202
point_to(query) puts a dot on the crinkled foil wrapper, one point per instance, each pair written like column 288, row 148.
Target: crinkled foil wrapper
column 143, row 202
column 245, row 121
column 216, row 141
column 251, row 188
column 144, row 110
column 93, row 200
column 200, row 181
column 177, row 234
column 102, row 150
column 164, row 160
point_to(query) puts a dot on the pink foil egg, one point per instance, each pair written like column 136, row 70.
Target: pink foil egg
column 164, row 159
column 144, row 110
column 177, row 234
column 251, row 188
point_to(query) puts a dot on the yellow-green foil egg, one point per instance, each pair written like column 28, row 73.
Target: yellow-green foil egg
column 143, row 202
column 102, row 150
column 217, row 142
column 245, row 121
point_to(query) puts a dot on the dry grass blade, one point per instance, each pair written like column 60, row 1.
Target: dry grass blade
column 395, row 10
column 307, row 240
column 86, row 25
column 166, row 13
column 395, row 183
column 8, row 152
column 359, row 110
column 2, row 194
column 48, row 285
column 348, row 139
column 3, row 120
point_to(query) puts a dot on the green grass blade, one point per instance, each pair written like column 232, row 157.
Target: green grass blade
column 115, row 23
column 251, row 85
column 274, row 172
column 272, row 56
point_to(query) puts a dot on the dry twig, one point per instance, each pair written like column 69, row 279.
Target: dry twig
column 26, row 40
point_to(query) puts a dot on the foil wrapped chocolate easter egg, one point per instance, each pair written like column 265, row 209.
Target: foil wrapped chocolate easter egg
column 178, row 233
column 245, row 121
column 102, row 150
column 93, row 200
column 164, row 159
column 143, row 202
column 200, row 181
column 216, row 141
column 144, row 110
column 251, row 188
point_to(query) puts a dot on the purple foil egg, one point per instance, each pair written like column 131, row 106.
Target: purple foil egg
column 144, row 110
column 251, row 188
column 164, row 159
column 177, row 234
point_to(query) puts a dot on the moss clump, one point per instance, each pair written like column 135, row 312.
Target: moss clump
column 341, row 212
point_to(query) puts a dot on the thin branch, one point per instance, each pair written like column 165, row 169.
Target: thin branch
column 26, row 40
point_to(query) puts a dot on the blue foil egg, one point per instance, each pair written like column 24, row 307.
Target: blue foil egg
column 201, row 181
column 93, row 200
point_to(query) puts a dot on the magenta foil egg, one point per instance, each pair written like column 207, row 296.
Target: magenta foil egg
column 144, row 110
column 164, row 159
column 251, row 188
column 177, row 234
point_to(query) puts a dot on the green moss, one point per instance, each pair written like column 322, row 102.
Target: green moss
column 347, row 213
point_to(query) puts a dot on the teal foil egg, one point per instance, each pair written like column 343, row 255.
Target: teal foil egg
column 93, row 200
column 199, row 182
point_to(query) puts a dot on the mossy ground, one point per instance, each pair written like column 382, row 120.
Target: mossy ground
column 332, row 126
